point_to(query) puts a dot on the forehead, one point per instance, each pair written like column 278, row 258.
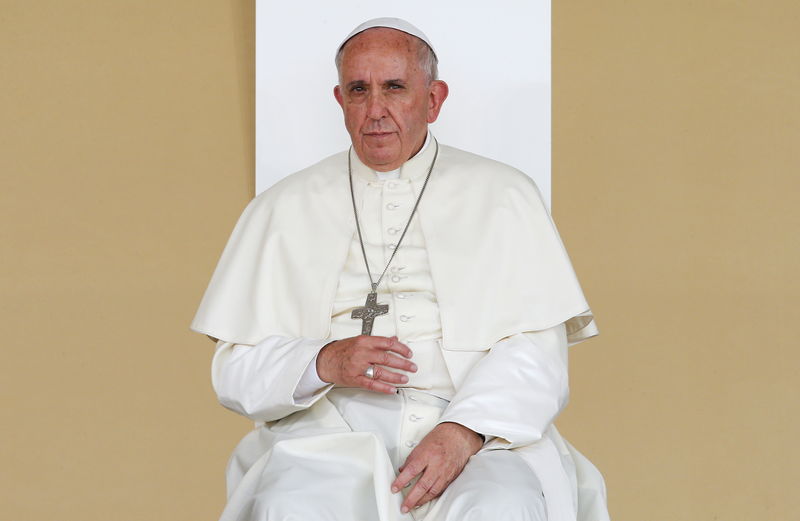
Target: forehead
column 381, row 37
column 380, row 44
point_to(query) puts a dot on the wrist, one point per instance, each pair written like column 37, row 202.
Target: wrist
column 476, row 439
column 321, row 365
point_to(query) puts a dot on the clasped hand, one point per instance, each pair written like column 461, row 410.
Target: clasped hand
column 343, row 363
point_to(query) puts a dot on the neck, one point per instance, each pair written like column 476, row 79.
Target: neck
column 414, row 168
column 395, row 172
column 417, row 151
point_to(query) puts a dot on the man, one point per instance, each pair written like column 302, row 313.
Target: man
column 395, row 319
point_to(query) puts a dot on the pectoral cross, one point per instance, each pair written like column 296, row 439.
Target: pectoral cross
column 368, row 312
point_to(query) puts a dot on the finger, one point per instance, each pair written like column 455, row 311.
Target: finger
column 390, row 344
column 372, row 384
column 423, row 486
column 434, row 492
column 427, row 497
column 400, row 348
column 389, row 376
column 407, row 472
column 382, row 357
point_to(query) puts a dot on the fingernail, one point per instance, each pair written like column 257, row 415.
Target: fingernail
column 404, row 510
column 413, row 367
column 404, row 379
column 395, row 490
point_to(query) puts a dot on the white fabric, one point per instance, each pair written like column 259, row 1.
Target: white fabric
column 310, row 383
column 344, row 473
column 500, row 297
column 489, row 240
column 391, row 174
column 308, row 434
column 260, row 381
column 392, row 23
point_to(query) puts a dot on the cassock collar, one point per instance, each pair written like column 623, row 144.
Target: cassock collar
column 414, row 169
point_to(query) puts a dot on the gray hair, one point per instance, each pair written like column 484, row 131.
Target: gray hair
column 427, row 60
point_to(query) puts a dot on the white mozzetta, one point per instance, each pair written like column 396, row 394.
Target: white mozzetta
column 497, row 262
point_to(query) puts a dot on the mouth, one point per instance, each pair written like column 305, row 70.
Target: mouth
column 378, row 135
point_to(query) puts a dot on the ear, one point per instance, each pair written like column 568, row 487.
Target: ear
column 438, row 92
column 337, row 93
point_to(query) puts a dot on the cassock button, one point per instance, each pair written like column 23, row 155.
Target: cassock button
column 392, row 206
column 393, row 231
column 411, row 444
column 406, row 318
column 392, row 246
column 415, row 418
column 401, row 295
column 391, row 184
column 396, row 278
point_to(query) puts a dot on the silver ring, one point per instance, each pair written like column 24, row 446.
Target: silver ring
column 370, row 371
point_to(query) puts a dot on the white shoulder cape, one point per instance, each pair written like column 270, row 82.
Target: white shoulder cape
column 498, row 264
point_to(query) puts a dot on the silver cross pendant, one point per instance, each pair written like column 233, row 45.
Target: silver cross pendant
column 368, row 312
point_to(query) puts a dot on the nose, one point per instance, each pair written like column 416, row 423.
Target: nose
column 376, row 108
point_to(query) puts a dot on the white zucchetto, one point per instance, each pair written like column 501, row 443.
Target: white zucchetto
column 391, row 23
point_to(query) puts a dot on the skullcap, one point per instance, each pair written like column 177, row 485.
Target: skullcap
column 391, row 23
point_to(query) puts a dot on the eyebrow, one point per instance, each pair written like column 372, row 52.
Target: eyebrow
column 361, row 83
column 356, row 83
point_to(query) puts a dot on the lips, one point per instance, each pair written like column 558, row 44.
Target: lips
column 378, row 135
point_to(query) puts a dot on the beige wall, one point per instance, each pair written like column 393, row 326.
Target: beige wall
column 126, row 138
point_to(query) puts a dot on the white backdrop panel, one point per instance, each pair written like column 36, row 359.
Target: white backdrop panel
column 495, row 58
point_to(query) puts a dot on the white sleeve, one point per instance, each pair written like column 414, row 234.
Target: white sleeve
column 310, row 383
column 517, row 390
column 262, row 381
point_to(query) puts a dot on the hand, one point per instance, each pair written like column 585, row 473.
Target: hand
column 343, row 363
column 437, row 460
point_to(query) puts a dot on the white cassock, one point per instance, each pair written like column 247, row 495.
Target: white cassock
column 331, row 453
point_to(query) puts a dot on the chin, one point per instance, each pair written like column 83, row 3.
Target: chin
column 380, row 158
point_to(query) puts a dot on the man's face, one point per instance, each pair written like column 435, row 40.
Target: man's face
column 385, row 97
